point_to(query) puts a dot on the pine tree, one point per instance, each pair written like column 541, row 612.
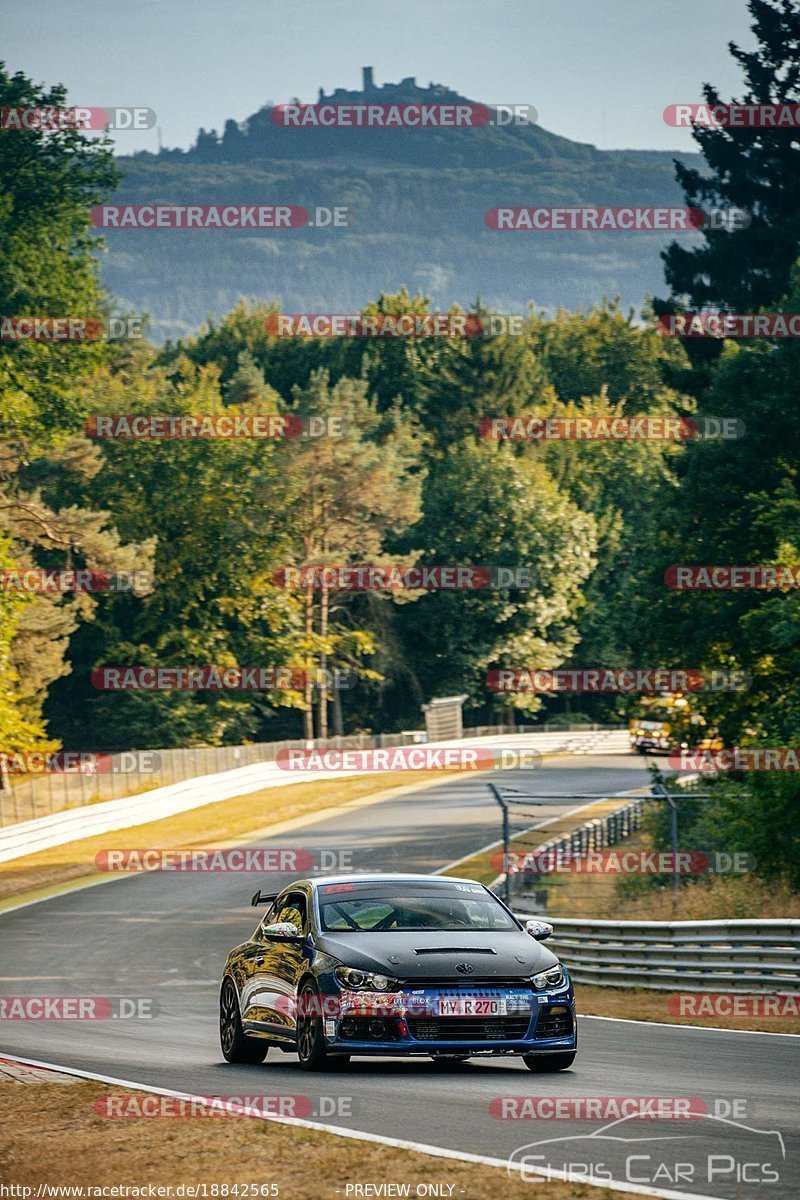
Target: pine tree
column 757, row 169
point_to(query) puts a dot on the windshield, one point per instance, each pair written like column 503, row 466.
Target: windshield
column 381, row 911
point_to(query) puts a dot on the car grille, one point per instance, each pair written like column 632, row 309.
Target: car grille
column 468, row 1029
column 368, row 1029
column 468, row 984
column 554, row 1022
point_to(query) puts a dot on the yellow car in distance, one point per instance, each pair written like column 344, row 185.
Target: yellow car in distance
column 666, row 723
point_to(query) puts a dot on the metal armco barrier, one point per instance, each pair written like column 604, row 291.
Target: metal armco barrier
column 524, row 807
column 697, row 956
column 47, row 794
column 54, row 829
column 596, row 834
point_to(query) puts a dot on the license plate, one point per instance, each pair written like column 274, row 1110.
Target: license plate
column 471, row 1006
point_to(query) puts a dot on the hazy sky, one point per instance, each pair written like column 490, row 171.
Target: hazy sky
column 599, row 71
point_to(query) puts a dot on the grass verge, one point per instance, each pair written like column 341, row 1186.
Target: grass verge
column 639, row 1004
column 52, row 1135
column 486, row 865
column 613, row 895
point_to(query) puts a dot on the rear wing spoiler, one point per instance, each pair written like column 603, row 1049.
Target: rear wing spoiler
column 262, row 898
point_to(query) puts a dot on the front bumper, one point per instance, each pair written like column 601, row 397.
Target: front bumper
column 653, row 745
column 410, row 1023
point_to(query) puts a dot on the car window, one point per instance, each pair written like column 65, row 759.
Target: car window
column 293, row 908
column 363, row 914
column 269, row 917
column 344, row 914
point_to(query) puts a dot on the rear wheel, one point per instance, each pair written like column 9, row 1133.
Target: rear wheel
column 542, row 1063
column 237, row 1047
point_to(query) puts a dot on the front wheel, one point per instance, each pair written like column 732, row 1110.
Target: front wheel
column 237, row 1047
column 310, row 1040
column 542, row 1063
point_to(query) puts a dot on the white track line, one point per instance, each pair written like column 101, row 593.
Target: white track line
column 672, row 1025
column 378, row 1138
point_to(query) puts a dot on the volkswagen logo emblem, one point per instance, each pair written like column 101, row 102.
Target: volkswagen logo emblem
column 464, row 968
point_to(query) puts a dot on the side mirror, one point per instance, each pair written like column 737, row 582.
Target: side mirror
column 282, row 931
column 539, row 929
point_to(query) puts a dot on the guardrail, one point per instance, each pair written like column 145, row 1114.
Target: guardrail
column 126, row 774
column 54, row 829
column 597, row 834
column 700, row 956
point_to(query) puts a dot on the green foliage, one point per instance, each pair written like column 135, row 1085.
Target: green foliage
column 483, row 504
column 757, row 169
column 48, row 181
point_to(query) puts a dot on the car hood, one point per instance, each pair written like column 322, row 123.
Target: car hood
column 427, row 955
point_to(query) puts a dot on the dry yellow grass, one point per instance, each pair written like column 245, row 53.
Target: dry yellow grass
column 52, row 1135
column 487, row 865
column 707, row 898
column 642, row 1005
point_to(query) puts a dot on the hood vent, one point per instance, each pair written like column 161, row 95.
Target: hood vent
column 455, row 950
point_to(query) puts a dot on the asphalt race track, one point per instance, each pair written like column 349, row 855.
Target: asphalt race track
column 165, row 936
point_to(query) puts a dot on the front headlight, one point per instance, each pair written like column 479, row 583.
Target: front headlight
column 553, row 977
column 365, row 981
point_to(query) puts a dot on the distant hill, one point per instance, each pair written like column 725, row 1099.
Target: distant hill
column 419, row 198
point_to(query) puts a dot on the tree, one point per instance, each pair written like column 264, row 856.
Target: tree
column 213, row 510
column 604, row 365
column 485, row 505
column 48, row 268
column 737, row 502
column 348, row 493
column 48, row 263
column 757, row 169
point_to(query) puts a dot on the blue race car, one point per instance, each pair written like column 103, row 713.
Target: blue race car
column 395, row 965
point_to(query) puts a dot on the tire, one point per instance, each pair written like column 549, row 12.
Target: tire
column 237, row 1047
column 543, row 1063
column 310, row 1040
